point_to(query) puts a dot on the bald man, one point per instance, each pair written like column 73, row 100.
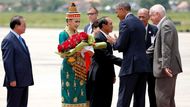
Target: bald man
column 143, row 15
column 167, row 61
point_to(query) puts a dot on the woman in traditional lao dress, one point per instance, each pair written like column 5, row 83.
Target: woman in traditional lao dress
column 73, row 89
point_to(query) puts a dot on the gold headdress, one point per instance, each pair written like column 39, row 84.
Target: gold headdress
column 72, row 12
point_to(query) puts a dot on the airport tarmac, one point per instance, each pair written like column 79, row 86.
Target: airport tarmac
column 46, row 92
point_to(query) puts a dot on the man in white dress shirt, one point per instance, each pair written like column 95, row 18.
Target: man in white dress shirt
column 92, row 16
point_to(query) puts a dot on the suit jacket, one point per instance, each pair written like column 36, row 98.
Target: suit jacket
column 86, row 27
column 151, row 32
column 166, row 51
column 103, row 61
column 131, row 42
column 17, row 62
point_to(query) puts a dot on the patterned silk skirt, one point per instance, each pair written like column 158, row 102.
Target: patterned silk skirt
column 73, row 89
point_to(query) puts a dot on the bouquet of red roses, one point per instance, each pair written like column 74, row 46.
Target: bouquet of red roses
column 72, row 42
column 79, row 50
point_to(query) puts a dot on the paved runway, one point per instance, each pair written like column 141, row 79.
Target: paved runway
column 46, row 64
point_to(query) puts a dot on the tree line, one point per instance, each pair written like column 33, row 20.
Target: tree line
column 56, row 5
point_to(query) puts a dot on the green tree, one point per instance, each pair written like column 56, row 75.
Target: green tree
column 149, row 3
column 165, row 3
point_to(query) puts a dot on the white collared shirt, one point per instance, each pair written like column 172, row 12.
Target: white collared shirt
column 146, row 29
column 15, row 33
column 104, row 34
column 89, row 29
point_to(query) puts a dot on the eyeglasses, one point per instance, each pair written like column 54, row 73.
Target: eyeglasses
column 91, row 14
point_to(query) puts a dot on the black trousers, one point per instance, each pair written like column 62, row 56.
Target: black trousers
column 151, row 89
column 101, row 94
column 151, row 83
column 133, row 84
column 17, row 97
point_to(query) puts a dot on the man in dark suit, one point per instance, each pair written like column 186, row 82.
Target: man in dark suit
column 134, row 66
column 102, row 73
column 92, row 16
column 143, row 15
column 167, row 60
column 17, row 64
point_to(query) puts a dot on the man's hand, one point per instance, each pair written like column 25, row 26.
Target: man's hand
column 13, row 83
column 168, row 72
column 111, row 39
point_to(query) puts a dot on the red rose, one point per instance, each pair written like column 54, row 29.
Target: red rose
column 66, row 45
column 72, row 42
column 59, row 48
column 83, row 36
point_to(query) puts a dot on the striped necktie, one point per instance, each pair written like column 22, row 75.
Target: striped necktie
column 89, row 30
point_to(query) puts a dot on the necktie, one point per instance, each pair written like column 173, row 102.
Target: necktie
column 89, row 30
column 146, row 34
column 21, row 41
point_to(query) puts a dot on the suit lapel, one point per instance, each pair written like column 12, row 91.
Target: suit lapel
column 103, row 37
column 160, row 25
column 158, row 38
column 159, row 30
column 19, row 44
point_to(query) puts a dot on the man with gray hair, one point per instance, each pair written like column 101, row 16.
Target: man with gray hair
column 167, row 61
column 143, row 15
